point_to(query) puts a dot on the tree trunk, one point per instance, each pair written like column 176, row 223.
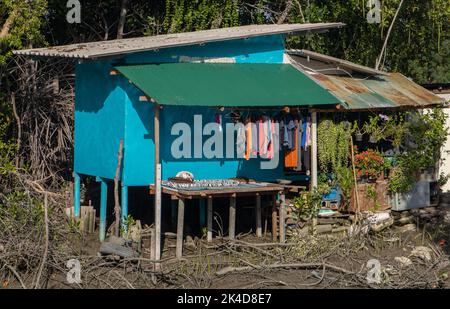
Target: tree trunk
column 122, row 18
column 4, row 32
column 116, row 190
column 383, row 49
column 287, row 10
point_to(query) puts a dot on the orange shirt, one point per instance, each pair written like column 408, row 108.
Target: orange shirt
column 291, row 156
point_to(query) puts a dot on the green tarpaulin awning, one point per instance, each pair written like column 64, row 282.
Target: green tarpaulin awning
column 227, row 84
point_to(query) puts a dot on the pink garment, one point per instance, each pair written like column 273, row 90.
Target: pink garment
column 261, row 139
column 271, row 150
column 219, row 121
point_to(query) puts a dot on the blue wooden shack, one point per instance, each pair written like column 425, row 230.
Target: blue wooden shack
column 119, row 83
column 133, row 91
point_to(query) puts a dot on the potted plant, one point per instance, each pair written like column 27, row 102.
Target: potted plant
column 358, row 136
column 369, row 164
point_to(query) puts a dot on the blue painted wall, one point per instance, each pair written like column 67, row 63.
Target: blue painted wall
column 99, row 119
column 108, row 109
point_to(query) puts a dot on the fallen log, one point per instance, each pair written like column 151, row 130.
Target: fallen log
column 230, row 269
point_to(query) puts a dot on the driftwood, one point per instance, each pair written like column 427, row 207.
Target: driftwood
column 230, row 269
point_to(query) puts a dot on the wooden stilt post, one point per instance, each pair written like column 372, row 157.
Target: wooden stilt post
column 180, row 228
column 258, row 216
column 157, row 187
column 103, row 207
column 274, row 218
column 124, row 211
column 210, row 219
column 281, row 218
column 314, row 150
column 314, row 172
column 232, row 219
column 76, row 195
column 117, row 177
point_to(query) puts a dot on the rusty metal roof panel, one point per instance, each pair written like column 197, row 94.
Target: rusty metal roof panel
column 110, row 48
column 353, row 92
column 403, row 91
column 372, row 90
column 377, row 92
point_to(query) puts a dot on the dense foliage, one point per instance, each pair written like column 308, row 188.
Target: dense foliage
column 418, row 46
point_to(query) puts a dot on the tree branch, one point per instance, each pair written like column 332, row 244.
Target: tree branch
column 122, row 18
column 285, row 14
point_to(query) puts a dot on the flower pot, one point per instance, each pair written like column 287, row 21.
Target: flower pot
column 358, row 137
column 372, row 139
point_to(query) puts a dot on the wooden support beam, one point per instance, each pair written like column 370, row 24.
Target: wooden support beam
column 232, row 219
column 76, row 194
column 282, row 218
column 157, row 186
column 180, row 228
column 103, row 208
column 210, row 219
column 158, row 213
column 274, row 218
column 258, row 216
column 124, row 211
column 152, row 243
column 314, row 150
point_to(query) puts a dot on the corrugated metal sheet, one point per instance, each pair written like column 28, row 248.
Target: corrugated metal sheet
column 223, row 84
column 389, row 91
column 340, row 62
column 372, row 91
column 124, row 46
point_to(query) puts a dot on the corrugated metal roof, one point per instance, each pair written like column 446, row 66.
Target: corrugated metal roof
column 124, row 46
column 387, row 90
column 225, row 84
column 340, row 62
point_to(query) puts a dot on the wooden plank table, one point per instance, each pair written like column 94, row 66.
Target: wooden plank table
column 260, row 188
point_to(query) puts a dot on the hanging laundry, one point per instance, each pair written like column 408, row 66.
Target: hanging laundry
column 219, row 121
column 274, row 136
column 261, row 137
column 299, row 149
column 291, row 156
column 255, row 140
column 289, row 127
column 240, row 140
column 248, row 142
column 264, row 135
column 304, row 132
column 267, row 131
column 309, row 135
